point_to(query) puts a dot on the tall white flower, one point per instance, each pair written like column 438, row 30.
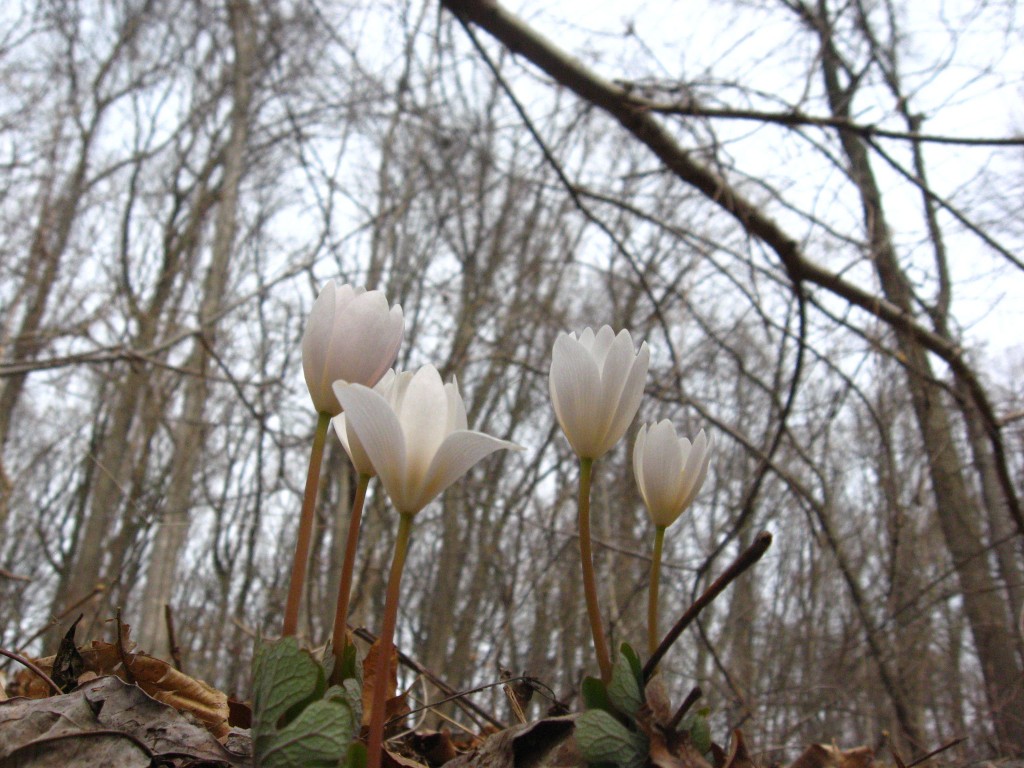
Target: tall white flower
column 352, row 334
column 596, row 384
column 669, row 470
column 416, row 437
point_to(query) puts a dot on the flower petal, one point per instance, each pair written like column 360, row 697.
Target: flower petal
column 370, row 417
column 423, row 414
column 353, row 446
column 315, row 341
column 696, row 470
column 602, row 344
column 457, row 454
column 662, row 467
column 574, row 384
column 364, row 342
column 627, row 403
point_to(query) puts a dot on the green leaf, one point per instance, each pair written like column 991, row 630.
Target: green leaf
column 595, row 695
column 318, row 738
column 349, row 693
column 624, row 688
column 633, row 658
column 603, row 739
column 285, row 679
column 356, row 757
column 700, row 732
column 351, row 665
column 296, row 723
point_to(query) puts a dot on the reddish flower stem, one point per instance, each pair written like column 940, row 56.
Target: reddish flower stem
column 305, row 537
column 375, row 739
column 340, row 638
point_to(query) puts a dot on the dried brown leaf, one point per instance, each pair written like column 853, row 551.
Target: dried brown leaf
column 543, row 744
column 830, row 756
column 370, row 676
column 155, row 676
column 164, row 683
column 105, row 722
column 738, row 756
column 436, row 746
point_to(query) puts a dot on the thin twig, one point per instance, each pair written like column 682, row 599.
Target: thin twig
column 466, row 705
column 747, row 558
column 934, row 752
column 13, row 576
column 57, row 619
column 31, row 665
column 691, row 698
column 172, row 640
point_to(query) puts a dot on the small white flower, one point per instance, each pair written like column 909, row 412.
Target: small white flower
column 596, row 384
column 415, row 436
column 352, row 334
column 669, row 470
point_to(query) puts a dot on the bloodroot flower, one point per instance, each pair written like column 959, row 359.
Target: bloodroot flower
column 352, row 334
column 669, row 470
column 596, row 383
column 415, row 437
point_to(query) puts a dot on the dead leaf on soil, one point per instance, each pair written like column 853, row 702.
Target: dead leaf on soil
column 830, row 756
column 546, row 743
column 105, row 722
column 155, row 676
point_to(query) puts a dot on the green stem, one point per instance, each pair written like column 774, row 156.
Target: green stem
column 375, row 739
column 652, row 595
column 589, row 581
column 291, row 609
column 339, row 640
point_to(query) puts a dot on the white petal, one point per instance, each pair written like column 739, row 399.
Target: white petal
column 456, row 456
column 603, row 341
column 363, row 344
column 638, row 461
column 316, row 340
column 662, row 467
column 423, row 415
column 574, row 383
column 696, row 467
column 456, row 407
column 353, row 447
column 370, row 417
column 627, row 404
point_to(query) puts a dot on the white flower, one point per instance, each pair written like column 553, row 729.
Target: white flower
column 351, row 334
column 669, row 470
column 415, row 437
column 596, row 384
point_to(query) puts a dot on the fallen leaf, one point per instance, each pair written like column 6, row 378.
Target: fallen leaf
column 830, row 756
column 155, row 676
column 546, row 743
column 105, row 722
column 68, row 663
column 738, row 756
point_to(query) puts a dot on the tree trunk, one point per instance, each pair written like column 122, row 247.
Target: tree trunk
column 958, row 517
column 173, row 527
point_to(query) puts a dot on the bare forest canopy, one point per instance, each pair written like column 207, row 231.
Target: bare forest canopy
column 811, row 211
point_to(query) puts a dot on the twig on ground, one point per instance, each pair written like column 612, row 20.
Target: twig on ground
column 32, row 666
column 172, row 640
